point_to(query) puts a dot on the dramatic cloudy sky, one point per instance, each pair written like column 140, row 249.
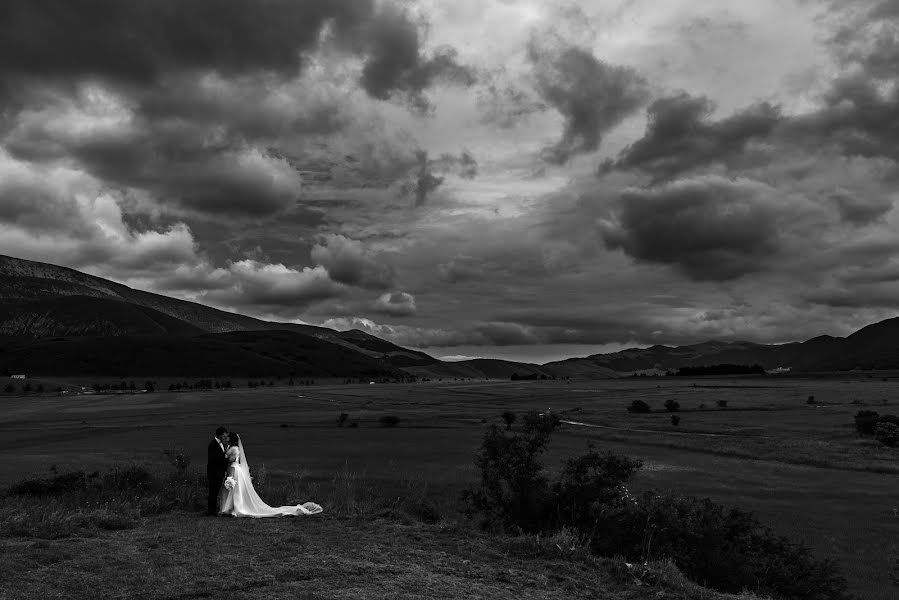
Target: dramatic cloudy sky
column 509, row 178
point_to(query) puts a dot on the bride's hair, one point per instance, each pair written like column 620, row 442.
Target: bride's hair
column 233, row 453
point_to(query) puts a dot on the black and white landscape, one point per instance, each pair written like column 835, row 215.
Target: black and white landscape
column 522, row 283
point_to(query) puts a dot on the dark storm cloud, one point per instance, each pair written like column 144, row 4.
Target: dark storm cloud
column 205, row 92
column 710, row 228
column 591, row 95
column 880, row 295
column 680, row 137
column 857, row 209
column 395, row 62
column 142, row 40
column 857, row 119
column 145, row 41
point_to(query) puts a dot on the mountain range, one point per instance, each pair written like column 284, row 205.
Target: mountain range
column 56, row 320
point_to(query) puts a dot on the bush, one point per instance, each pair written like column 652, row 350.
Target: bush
column 389, row 421
column 588, row 487
column 342, row 418
column 866, row 422
column 509, row 417
column 721, row 403
column 887, row 434
column 514, row 494
column 178, row 459
column 638, row 406
column 811, row 400
column 675, row 420
column 727, row 549
column 672, row 405
column 10, row 388
column 58, row 485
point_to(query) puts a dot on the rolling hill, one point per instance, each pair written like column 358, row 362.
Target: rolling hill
column 55, row 319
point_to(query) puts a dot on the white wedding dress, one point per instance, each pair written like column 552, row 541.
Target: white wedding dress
column 241, row 500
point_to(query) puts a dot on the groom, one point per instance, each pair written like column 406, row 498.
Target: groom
column 216, row 467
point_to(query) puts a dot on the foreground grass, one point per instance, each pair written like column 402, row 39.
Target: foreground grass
column 186, row 555
column 131, row 533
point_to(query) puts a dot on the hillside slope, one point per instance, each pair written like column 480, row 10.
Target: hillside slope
column 232, row 354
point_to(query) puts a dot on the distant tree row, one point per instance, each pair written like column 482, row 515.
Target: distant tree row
column 531, row 377
column 202, row 384
column 722, row 369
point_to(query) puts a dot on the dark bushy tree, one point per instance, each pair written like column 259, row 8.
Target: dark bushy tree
column 509, row 417
column 589, row 487
column 724, row 548
column 514, row 494
column 887, row 434
column 389, row 421
column 866, row 421
column 672, row 405
column 639, row 406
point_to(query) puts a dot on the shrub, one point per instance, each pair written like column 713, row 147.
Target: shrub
column 866, row 422
column 10, row 388
column 58, row 485
column 509, row 417
column 129, row 478
column 811, row 400
column 727, row 549
column 178, row 459
column 589, row 486
column 389, row 421
column 675, row 420
column 514, row 492
column 721, row 403
column 887, row 434
column 638, row 406
column 672, row 405
column 342, row 418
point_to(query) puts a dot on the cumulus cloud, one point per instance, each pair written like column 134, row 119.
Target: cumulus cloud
column 711, row 228
column 680, row 136
column 591, row 95
column 64, row 216
column 349, row 261
column 273, row 286
column 396, row 304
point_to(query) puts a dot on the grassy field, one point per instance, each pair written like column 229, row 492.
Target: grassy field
column 799, row 466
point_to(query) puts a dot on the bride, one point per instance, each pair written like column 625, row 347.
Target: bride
column 238, row 497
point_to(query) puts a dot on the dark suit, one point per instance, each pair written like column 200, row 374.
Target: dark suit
column 216, row 467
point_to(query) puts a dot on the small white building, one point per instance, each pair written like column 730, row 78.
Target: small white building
column 17, row 376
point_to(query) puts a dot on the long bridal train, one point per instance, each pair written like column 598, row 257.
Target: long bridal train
column 238, row 497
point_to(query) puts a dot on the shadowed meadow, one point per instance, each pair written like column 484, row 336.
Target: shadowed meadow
column 784, row 448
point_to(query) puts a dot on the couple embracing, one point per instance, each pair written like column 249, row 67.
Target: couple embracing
column 231, row 490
